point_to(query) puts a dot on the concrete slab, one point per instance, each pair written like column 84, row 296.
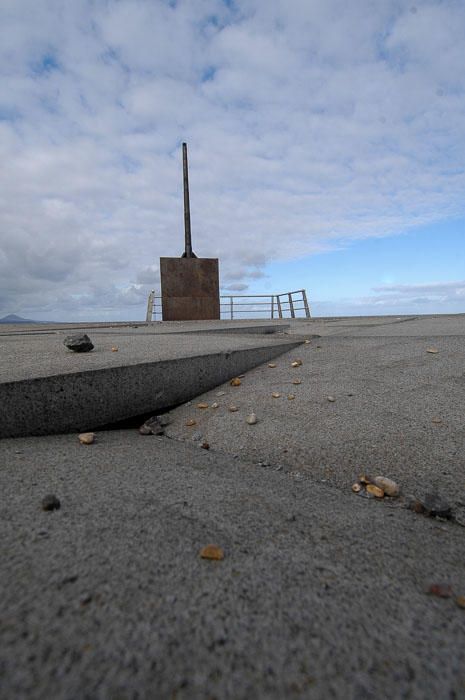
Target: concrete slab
column 321, row 594
column 46, row 388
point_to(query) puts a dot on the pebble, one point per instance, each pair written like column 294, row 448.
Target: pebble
column 307, row 342
column 441, row 590
column 356, row 488
column 152, row 426
column 276, row 394
column 220, row 393
column 215, row 405
column 205, row 445
column 114, row 349
column 290, row 397
column 433, row 351
column 436, row 420
column 233, row 409
column 272, row 365
column 375, row 491
column 297, row 381
column 191, row 422
column 202, row 405
column 331, row 399
column 389, row 486
column 435, row 506
column 86, row 438
column 212, row 551
column 235, row 382
column 460, row 600
column 50, row 502
column 251, row 419
column 296, row 363
column 80, row 342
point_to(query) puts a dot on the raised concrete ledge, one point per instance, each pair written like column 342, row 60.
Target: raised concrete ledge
column 77, row 401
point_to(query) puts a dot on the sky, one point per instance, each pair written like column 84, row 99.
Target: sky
column 326, row 152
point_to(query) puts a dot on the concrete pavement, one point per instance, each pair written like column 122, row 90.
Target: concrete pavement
column 321, row 594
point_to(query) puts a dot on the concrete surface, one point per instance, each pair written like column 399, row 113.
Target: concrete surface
column 46, row 388
column 321, row 594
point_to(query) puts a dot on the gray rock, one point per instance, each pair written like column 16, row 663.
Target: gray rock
column 50, row 502
column 436, row 506
column 152, row 426
column 79, row 342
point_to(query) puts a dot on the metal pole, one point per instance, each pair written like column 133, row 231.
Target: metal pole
column 188, row 252
column 231, row 307
column 149, row 314
column 280, row 311
column 272, row 306
column 291, row 305
column 307, row 309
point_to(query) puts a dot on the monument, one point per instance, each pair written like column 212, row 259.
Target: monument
column 189, row 285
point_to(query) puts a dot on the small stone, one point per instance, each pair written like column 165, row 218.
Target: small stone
column 297, row 381
column 272, row 365
column 233, row 409
column 307, row 342
column 331, row 399
column 436, row 420
column 460, row 600
column 235, row 382
column 433, row 351
column 50, row 502
column 276, row 394
column 356, row 488
column 152, row 426
column 220, row 393
column 240, row 376
column 114, row 349
column 435, row 506
column 85, row 599
column 212, row 551
column 215, row 405
column 441, row 590
column 364, row 479
column 190, row 422
column 389, row 486
column 290, row 397
column 205, row 446
column 251, row 419
column 86, row 438
column 296, row 363
column 79, row 342
column 375, row 491
column 202, row 405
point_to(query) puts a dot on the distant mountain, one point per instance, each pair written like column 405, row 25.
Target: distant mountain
column 13, row 318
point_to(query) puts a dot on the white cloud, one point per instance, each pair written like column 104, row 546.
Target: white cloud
column 308, row 123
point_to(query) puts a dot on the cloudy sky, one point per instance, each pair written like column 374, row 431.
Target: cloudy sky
column 326, row 150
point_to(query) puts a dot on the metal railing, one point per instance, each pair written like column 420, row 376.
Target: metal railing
column 285, row 305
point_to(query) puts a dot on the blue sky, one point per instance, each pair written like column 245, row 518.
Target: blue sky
column 326, row 148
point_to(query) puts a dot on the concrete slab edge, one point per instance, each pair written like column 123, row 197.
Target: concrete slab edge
column 84, row 400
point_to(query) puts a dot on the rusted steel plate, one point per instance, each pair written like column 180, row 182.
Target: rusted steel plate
column 190, row 289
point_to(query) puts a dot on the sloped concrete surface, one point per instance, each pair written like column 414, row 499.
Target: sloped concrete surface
column 46, row 388
column 321, row 594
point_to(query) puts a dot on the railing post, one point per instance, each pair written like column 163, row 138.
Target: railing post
column 291, row 305
column 280, row 311
column 272, row 306
column 231, row 307
column 307, row 309
column 149, row 314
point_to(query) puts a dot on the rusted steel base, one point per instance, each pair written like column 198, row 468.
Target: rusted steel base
column 190, row 289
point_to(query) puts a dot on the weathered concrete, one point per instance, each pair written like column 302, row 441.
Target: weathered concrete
column 322, row 594
column 45, row 388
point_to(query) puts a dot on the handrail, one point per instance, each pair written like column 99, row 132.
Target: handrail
column 277, row 305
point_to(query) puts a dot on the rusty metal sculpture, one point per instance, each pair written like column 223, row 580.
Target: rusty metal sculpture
column 189, row 285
